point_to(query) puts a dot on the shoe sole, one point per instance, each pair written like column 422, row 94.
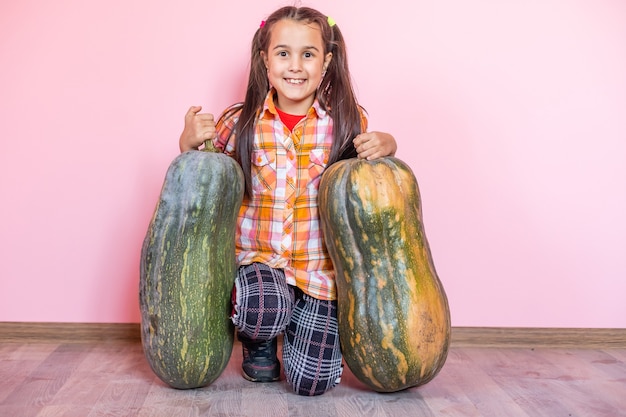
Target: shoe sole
column 260, row 378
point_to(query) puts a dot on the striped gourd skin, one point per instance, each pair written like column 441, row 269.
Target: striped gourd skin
column 188, row 269
column 394, row 319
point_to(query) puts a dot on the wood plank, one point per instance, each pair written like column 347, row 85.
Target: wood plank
column 17, row 361
column 19, row 410
column 68, row 410
column 445, row 395
column 489, row 398
column 68, row 332
column 121, row 398
column 595, row 338
column 582, row 371
column 42, row 384
column 111, row 377
column 538, row 337
column 525, row 376
column 161, row 396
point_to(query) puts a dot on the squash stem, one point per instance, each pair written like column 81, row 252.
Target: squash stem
column 209, row 147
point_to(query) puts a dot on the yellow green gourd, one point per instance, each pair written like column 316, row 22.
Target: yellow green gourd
column 394, row 318
column 188, row 268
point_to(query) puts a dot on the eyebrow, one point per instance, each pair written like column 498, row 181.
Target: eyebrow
column 288, row 47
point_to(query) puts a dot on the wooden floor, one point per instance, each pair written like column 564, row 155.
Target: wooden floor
column 104, row 375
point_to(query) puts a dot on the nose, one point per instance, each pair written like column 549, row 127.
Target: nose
column 295, row 64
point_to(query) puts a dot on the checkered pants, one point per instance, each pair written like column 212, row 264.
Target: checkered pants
column 265, row 306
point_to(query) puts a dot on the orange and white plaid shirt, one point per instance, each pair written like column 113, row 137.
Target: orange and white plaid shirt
column 280, row 225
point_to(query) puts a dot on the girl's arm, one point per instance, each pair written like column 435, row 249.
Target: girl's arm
column 372, row 145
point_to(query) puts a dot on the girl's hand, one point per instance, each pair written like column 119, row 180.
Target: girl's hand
column 372, row 145
column 198, row 128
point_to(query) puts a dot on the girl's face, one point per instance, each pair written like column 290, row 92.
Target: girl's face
column 295, row 62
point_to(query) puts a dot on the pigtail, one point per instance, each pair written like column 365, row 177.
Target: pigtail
column 258, row 86
column 337, row 96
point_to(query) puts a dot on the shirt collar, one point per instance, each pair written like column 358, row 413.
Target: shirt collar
column 269, row 108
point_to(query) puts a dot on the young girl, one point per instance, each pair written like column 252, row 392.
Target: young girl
column 299, row 116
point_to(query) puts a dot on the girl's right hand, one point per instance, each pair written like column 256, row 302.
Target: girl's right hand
column 199, row 127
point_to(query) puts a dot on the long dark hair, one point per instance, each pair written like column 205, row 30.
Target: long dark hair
column 335, row 93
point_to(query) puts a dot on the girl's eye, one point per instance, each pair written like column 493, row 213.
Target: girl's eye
column 308, row 55
column 282, row 53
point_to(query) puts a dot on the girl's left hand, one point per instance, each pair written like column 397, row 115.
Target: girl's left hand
column 372, row 145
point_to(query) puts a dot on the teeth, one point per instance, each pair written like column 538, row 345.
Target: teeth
column 292, row 81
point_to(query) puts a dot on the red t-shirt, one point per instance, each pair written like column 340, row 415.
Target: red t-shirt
column 290, row 120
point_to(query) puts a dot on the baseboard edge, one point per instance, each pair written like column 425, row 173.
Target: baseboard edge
column 497, row 337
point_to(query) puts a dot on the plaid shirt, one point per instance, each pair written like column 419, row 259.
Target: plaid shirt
column 280, row 225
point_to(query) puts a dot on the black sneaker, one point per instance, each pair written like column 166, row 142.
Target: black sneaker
column 260, row 363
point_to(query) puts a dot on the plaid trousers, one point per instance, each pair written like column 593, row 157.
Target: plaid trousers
column 266, row 306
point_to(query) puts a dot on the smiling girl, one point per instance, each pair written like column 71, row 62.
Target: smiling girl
column 299, row 116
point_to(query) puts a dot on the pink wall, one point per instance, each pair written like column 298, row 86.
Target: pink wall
column 512, row 115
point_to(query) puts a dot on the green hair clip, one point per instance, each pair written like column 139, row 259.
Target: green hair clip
column 331, row 21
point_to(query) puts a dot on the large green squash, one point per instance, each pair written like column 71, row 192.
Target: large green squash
column 188, row 268
column 394, row 319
